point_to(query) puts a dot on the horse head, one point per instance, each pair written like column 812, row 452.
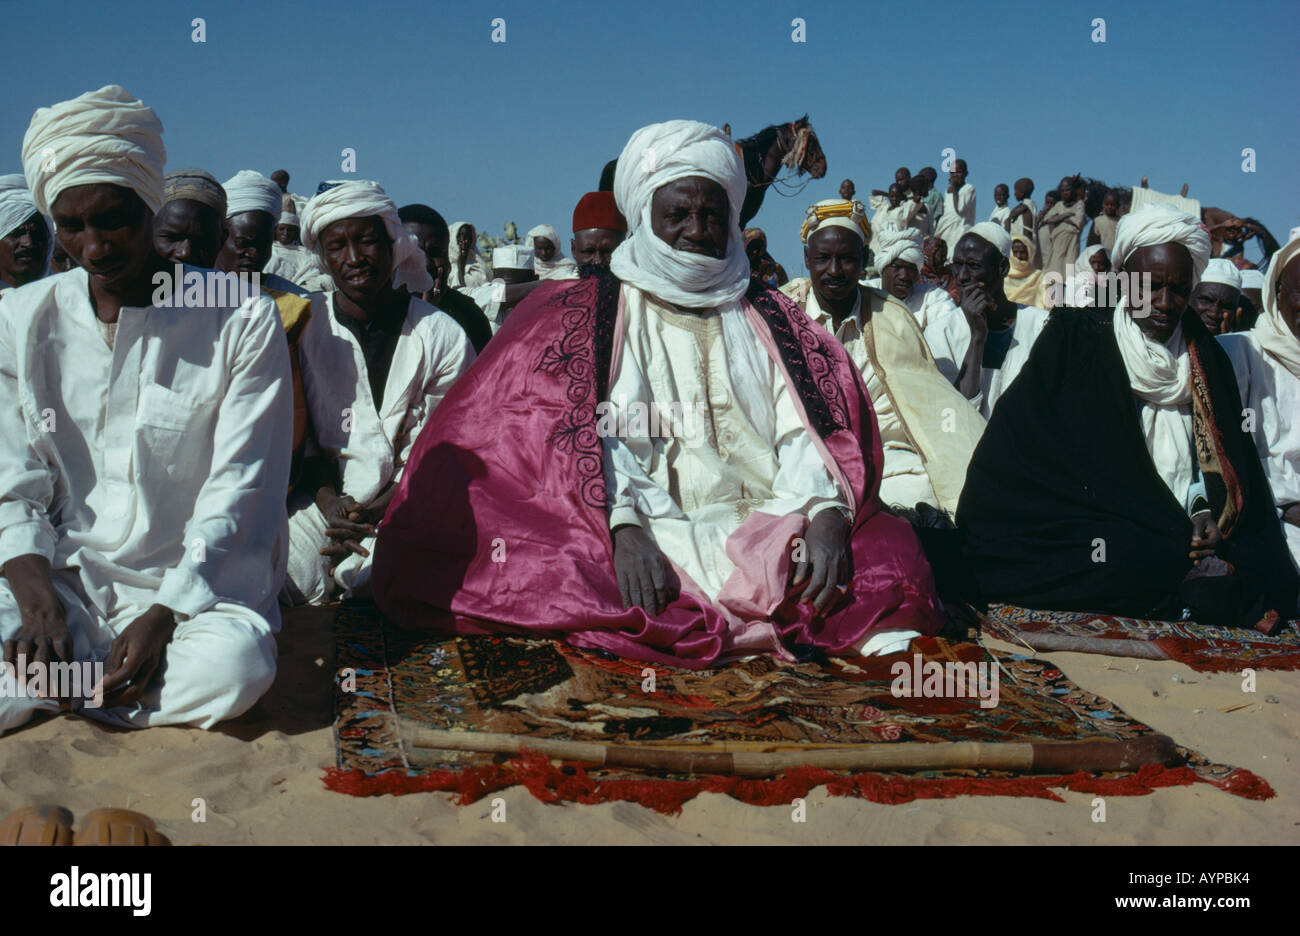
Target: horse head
column 804, row 151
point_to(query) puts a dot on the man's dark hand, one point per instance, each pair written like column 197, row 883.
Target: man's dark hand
column 1291, row 515
column 825, row 566
column 977, row 304
column 345, row 525
column 135, row 656
column 641, row 570
column 1205, row 536
column 43, row 636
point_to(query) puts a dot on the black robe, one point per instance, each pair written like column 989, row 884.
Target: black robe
column 1063, row 508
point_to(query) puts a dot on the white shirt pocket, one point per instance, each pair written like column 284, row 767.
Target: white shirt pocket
column 176, row 432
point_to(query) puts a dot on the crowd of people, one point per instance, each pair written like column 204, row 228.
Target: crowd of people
column 223, row 399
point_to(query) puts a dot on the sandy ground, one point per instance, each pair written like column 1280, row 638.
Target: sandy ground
column 260, row 777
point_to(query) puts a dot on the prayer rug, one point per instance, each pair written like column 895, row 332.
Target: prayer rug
column 391, row 681
column 1203, row 647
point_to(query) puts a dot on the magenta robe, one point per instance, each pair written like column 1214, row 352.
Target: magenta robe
column 499, row 523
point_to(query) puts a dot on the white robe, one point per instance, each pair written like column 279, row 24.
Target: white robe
column 958, row 216
column 370, row 443
column 152, row 472
column 1270, row 395
column 903, row 479
column 738, row 448
column 1000, row 214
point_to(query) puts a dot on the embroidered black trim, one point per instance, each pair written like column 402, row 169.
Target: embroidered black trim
column 807, row 359
column 580, row 356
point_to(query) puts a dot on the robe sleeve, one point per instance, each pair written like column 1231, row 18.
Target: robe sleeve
column 26, row 481
column 451, row 357
column 236, row 535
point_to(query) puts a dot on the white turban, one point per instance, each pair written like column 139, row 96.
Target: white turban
column 288, row 217
column 1083, row 264
column 247, row 190
column 363, row 200
column 1270, row 330
column 1222, row 271
column 550, row 234
column 655, row 156
column 902, row 245
column 104, row 136
column 995, row 234
column 16, row 204
column 1154, row 224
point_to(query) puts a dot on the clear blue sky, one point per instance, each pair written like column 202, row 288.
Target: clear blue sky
column 490, row 132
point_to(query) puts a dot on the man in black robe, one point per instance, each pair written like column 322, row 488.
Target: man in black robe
column 1068, row 502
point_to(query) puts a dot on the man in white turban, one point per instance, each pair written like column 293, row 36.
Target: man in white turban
column 670, row 463
column 376, row 361
column 143, row 465
column 1266, row 360
column 25, row 237
column 1002, row 332
column 549, row 262
column 1114, row 476
column 927, row 430
column 899, row 259
column 252, row 207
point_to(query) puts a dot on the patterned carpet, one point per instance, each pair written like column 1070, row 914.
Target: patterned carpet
column 390, row 681
column 1202, row 647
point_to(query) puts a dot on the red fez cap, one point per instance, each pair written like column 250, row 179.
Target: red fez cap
column 597, row 210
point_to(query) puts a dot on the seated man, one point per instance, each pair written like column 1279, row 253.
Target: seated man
column 598, row 229
column 24, row 235
column 252, row 201
column 1266, row 360
column 1002, row 332
column 678, row 467
column 942, row 322
column 512, row 280
column 144, row 463
column 191, row 225
column 927, row 429
column 1115, row 463
column 549, row 262
column 376, row 361
column 433, row 236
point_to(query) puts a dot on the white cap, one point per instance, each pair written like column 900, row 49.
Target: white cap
column 1222, row 271
column 994, row 234
column 1252, row 279
column 512, row 257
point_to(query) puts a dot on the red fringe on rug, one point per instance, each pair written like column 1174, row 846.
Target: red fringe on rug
column 552, row 784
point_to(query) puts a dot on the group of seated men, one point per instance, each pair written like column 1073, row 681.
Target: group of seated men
column 655, row 454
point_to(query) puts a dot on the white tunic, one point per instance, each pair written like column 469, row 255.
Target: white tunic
column 958, row 216
column 1270, row 395
column 152, row 472
column 737, row 444
column 369, row 442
